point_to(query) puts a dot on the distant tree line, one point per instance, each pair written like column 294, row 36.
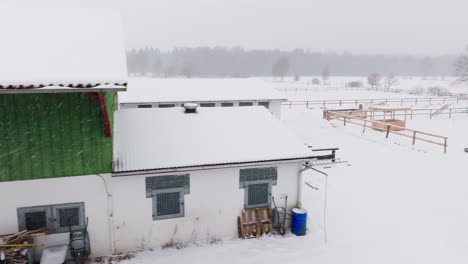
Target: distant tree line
column 461, row 68
column 238, row 62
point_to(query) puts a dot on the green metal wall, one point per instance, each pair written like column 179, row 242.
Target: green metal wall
column 53, row 135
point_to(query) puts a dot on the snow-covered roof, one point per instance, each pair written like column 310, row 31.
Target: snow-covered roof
column 166, row 138
column 158, row 90
column 55, row 47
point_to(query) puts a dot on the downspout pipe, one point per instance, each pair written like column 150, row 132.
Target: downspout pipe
column 308, row 166
column 110, row 214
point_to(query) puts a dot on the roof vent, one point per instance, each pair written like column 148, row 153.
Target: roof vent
column 190, row 108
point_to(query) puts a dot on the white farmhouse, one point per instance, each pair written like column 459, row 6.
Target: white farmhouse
column 133, row 177
column 180, row 176
column 207, row 92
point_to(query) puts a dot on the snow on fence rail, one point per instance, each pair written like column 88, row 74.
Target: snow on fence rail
column 320, row 89
column 414, row 134
column 413, row 112
column 414, row 100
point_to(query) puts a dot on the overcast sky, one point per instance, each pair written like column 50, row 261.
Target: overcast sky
column 424, row 27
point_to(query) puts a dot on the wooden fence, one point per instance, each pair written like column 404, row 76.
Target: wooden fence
column 348, row 88
column 430, row 112
column 320, row 89
column 415, row 135
column 401, row 101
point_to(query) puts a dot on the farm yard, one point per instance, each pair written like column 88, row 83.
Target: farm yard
column 388, row 201
column 182, row 137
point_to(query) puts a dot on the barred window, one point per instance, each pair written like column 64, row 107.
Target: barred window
column 54, row 218
column 168, row 203
column 258, row 194
column 35, row 220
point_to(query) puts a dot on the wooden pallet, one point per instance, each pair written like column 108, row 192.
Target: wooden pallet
column 254, row 223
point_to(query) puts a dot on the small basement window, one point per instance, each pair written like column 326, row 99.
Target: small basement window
column 246, row 104
column 257, row 194
column 265, row 104
column 168, row 203
column 167, row 193
column 54, row 218
column 145, row 106
column 166, row 105
column 207, row 104
column 227, row 104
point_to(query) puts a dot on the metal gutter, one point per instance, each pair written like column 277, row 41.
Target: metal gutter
column 202, row 101
column 211, row 167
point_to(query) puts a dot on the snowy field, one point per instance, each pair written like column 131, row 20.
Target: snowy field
column 402, row 88
column 392, row 202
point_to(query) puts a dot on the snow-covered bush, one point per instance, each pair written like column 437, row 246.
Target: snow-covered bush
column 437, row 90
column 355, row 84
column 417, row 90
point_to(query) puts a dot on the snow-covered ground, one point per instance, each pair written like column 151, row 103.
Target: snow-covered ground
column 404, row 85
column 391, row 203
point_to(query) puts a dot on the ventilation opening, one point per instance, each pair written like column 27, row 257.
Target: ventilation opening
column 190, row 108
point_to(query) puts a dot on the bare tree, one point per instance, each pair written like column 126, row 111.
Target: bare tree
column 155, row 66
column 325, row 74
column 187, row 71
column 390, row 81
column 169, row 71
column 315, row 81
column 426, row 67
column 461, row 68
column 280, row 68
column 374, row 80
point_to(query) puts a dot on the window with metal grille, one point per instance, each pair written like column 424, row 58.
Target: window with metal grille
column 55, row 218
column 227, row 104
column 68, row 217
column 207, row 105
column 258, row 194
column 168, row 203
column 145, row 106
column 35, row 220
column 245, row 103
column 265, row 104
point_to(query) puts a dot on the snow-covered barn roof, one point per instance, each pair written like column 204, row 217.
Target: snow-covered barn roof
column 61, row 48
column 159, row 90
column 166, row 138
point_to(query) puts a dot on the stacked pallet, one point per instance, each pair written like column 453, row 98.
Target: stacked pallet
column 14, row 248
column 254, row 222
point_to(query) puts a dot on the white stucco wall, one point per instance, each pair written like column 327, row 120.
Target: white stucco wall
column 211, row 208
column 275, row 105
column 87, row 189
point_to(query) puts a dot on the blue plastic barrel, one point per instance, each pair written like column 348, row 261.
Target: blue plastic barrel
column 299, row 221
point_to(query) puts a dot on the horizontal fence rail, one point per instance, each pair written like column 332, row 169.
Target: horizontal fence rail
column 349, row 88
column 410, row 113
column 320, row 89
column 415, row 135
column 401, row 101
